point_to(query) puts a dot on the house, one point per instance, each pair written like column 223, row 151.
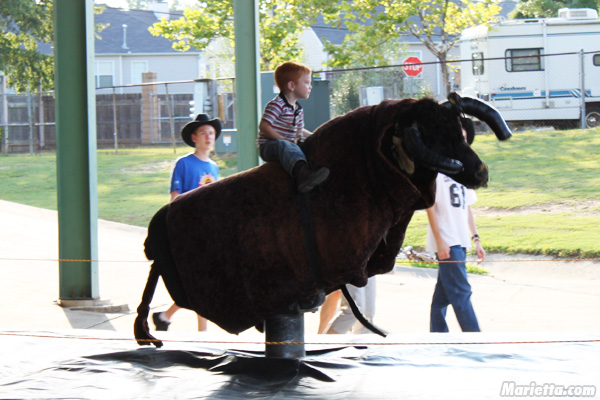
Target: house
column 125, row 49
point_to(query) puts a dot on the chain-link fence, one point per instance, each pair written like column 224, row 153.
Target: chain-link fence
column 145, row 114
column 560, row 91
column 26, row 119
column 353, row 88
column 530, row 89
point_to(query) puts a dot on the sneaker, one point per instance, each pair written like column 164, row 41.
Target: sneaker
column 159, row 323
column 307, row 179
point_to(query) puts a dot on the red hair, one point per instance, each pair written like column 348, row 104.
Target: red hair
column 289, row 71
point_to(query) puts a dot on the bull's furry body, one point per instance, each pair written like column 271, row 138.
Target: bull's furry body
column 237, row 244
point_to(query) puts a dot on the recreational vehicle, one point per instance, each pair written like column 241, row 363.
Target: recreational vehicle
column 544, row 70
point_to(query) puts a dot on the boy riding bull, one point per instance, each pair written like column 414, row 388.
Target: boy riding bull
column 282, row 125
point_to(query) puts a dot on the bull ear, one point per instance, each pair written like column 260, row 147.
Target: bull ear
column 423, row 155
column 454, row 103
column 469, row 127
column 404, row 161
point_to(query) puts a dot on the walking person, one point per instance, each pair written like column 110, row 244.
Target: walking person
column 192, row 171
column 450, row 235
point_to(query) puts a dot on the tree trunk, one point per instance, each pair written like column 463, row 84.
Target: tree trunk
column 445, row 75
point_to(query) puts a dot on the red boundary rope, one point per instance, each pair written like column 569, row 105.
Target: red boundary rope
column 401, row 261
column 312, row 343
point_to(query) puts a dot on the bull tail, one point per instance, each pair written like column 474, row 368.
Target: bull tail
column 140, row 326
column 358, row 315
column 157, row 248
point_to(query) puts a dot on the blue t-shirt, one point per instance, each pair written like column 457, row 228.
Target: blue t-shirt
column 190, row 173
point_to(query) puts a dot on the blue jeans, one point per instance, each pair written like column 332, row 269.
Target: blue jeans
column 286, row 152
column 452, row 287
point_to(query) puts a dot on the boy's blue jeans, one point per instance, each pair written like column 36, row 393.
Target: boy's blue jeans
column 286, row 152
column 452, row 287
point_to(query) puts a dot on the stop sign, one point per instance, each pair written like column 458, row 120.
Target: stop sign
column 412, row 66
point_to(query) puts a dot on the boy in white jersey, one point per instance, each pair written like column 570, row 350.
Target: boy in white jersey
column 282, row 124
column 451, row 231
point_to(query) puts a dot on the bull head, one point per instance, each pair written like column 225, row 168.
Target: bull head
column 429, row 136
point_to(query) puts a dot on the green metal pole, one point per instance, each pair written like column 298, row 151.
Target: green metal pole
column 247, row 81
column 76, row 149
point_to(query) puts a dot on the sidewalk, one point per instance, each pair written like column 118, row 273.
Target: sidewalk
column 521, row 294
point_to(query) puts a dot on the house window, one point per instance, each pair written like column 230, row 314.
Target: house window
column 137, row 68
column 477, row 63
column 104, row 73
column 524, row 60
column 597, row 59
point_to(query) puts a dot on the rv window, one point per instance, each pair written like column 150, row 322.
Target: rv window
column 477, row 63
column 524, row 60
column 597, row 59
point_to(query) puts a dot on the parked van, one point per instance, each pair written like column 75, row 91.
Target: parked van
column 543, row 70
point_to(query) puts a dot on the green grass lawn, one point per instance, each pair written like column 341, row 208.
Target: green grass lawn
column 471, row 267
column 132, row 185
column 543, row 196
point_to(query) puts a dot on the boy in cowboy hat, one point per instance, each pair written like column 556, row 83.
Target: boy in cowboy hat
column 196, row 169
column 192, row 171
column 282, row 124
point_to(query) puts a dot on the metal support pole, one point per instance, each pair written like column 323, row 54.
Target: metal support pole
column 582, row 87
column 115, row 131
column 3, row 114
column 41, row 130
column 30, row 121
column 171, row 123
column 76, row 151
column 546, row 62
column 284, row 334
column 247, row 81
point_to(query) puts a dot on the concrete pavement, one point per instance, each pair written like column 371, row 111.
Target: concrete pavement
column 521, row 294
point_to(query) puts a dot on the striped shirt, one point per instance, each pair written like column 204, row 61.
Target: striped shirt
column 285, row 119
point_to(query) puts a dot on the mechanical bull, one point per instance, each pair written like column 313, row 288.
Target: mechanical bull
column 235, row 251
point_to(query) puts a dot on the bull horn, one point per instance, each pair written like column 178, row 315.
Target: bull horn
column 421, row 154
column 488, row 114
column 482, row 111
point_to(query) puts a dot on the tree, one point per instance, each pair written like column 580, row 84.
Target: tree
column 281, row 22
column 374, row 27
column 372, row 37
column 548, row 8
column 26, row 24
column 378, row 24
